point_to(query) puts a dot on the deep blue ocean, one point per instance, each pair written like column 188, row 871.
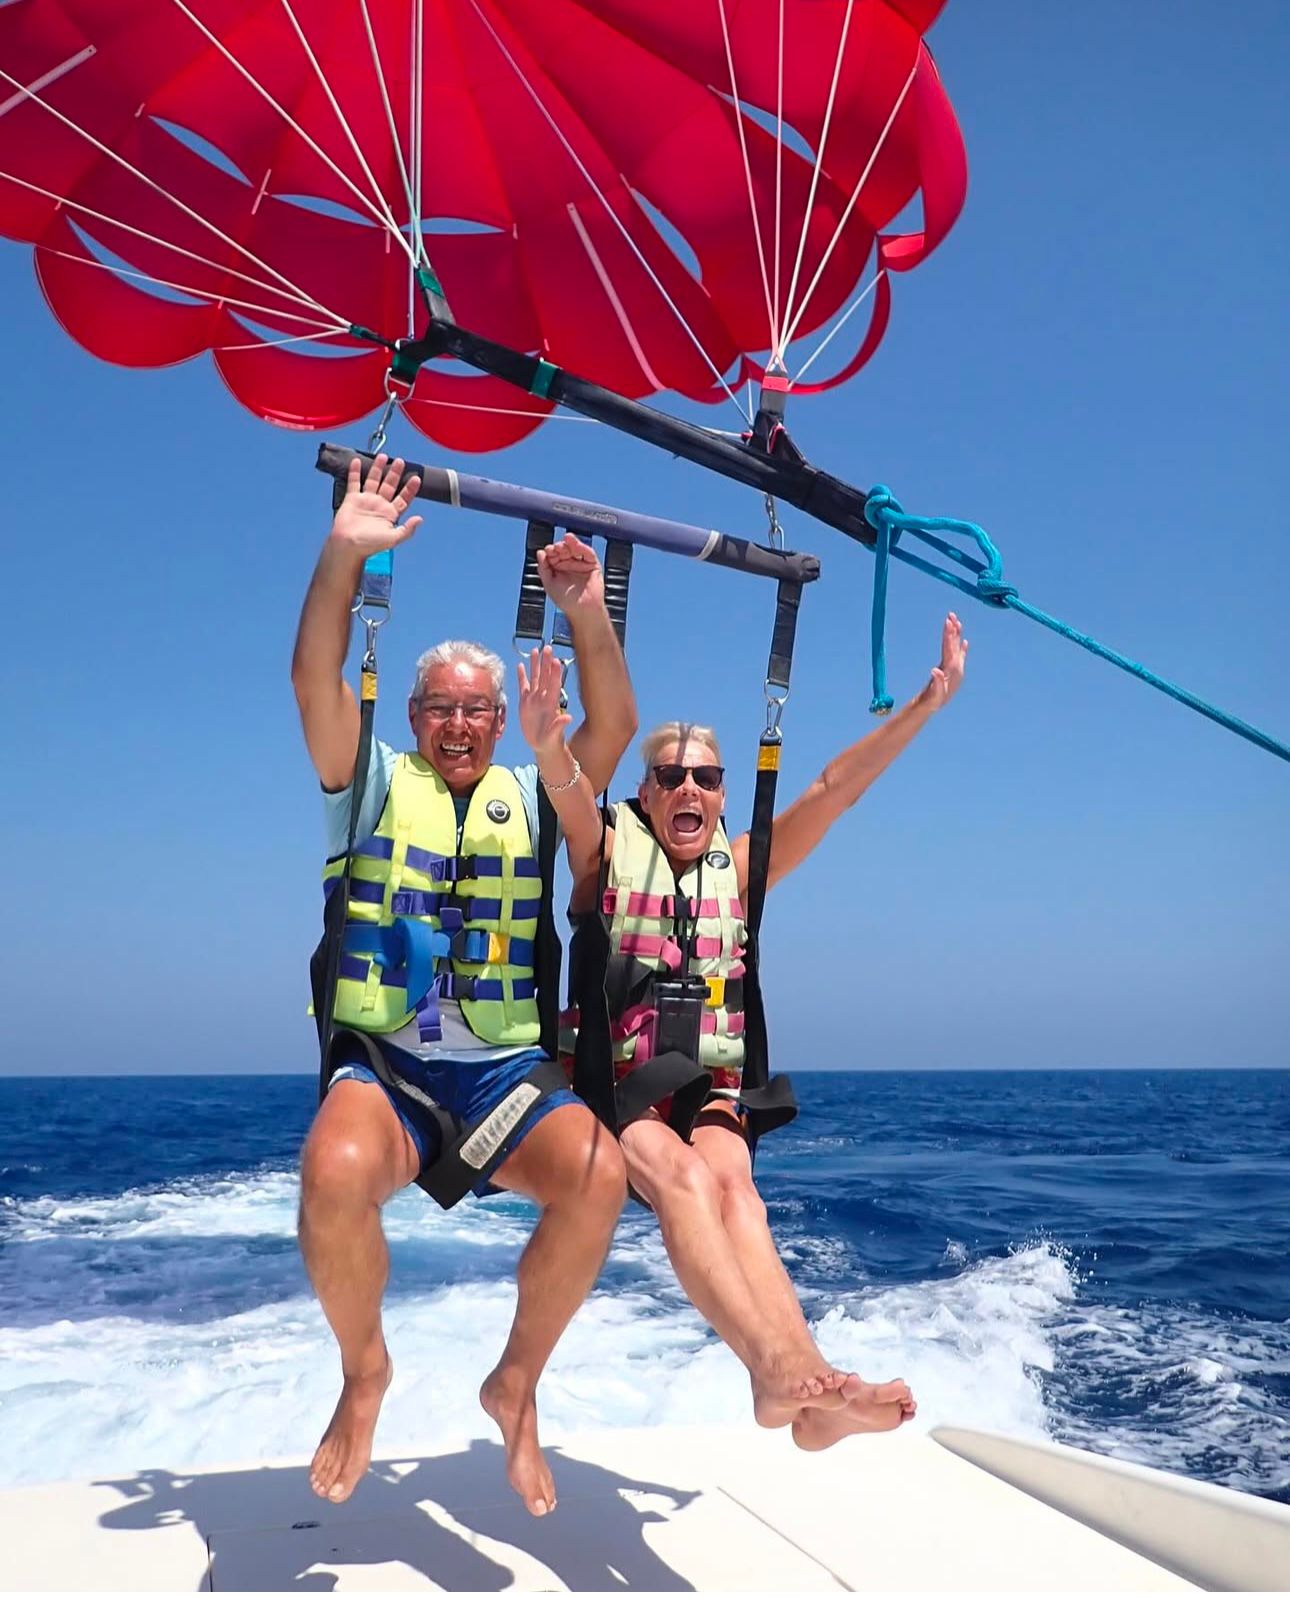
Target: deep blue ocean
column 1102, row 1257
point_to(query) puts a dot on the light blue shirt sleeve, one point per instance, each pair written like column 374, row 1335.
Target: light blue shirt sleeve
column 380, row 770
column 527, row 777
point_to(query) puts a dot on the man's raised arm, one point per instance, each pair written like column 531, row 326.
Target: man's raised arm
column 366, row 523
column 803, row 824
column 572, row 577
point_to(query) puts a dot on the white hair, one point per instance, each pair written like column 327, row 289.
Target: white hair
column 458, row 651
column 681, row 732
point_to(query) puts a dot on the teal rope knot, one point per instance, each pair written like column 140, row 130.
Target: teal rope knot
column 883, row 512
column 994, row 589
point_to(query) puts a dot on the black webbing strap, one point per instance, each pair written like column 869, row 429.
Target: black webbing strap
column 472, row 1156
column 673, row 1076
column 530, row 613
column 589, row 955
column 779, row 668
column 547, row 952
column 324, row 967
column 467, row 1154
column 767, row 1103
column 618, row 576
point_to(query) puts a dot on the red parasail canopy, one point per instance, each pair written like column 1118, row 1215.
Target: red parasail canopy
column 591, row 177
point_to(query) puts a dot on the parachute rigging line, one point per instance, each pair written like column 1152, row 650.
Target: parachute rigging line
column 293, row 291
column 380, row 212
column 609, row 211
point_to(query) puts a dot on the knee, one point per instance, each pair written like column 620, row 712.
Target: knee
column 741, row 1202
column 690, row 1181
column 336, row 1172
column 605, row 1182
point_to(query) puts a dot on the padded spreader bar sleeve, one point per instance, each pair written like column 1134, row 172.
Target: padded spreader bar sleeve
column 589, row 518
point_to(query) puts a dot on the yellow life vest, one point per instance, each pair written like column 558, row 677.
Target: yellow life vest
column 639, row 910
column 427, row 920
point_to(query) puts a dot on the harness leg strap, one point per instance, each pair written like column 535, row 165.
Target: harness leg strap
column 671, row 1075
column 468, row 1154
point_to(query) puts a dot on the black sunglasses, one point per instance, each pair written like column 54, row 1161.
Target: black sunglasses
column 708, row 777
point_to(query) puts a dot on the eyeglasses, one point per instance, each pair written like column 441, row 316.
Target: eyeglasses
column 708, row 777
column 476, row 712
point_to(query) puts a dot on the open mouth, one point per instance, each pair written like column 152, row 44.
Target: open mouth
column 687, row 823
column 455, row 751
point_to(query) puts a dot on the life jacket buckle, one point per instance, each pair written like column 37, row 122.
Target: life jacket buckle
column 716, row 991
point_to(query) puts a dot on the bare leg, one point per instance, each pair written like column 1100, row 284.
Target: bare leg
column 356, row 1156
column 786, row 1369
column 720, row 1143
column 571, row 1166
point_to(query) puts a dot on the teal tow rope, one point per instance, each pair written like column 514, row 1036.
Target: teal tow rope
column 887, row 517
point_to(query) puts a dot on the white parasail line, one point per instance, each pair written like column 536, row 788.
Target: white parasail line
column 32, row 90
column 624, row 321
column 296, row 292
column 855, row 195
column 613, row 215
column 771, row 308
column 382, row 222
column 166, row 244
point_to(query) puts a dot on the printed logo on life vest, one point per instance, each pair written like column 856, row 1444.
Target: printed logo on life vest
column 497, row 810
column 718, row 860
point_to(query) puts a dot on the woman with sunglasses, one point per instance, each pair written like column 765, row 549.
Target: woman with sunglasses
column 671, row 907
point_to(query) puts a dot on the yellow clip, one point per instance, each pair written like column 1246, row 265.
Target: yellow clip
column 499, row 948
column 768, row 757
column 716, row 991
column 367, row 687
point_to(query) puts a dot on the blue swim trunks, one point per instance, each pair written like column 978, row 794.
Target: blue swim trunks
column 469, row 1091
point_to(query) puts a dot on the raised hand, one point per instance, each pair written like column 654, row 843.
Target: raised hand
column 542, row 721
column 571, row 574
column 947, row 677
column 368, row 518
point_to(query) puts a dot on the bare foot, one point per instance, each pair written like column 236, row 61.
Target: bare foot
column 867, row 1408
column 787, row 1387
column 511, row 1405
column 346, row 1448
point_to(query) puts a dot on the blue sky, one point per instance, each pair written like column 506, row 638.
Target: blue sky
column 1067, row 869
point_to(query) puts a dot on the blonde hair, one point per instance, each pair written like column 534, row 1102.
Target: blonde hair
column 681, row 732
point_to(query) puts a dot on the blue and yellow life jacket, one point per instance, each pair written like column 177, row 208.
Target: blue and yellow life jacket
column 430, row 919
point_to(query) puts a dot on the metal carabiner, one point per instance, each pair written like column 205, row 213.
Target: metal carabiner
column 772, row 515
column 775, row 703
column 377, row 441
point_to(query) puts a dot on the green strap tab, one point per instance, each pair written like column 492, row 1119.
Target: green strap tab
column 546, row 374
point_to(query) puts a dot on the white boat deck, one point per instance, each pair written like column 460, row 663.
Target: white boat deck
column 665, row 1509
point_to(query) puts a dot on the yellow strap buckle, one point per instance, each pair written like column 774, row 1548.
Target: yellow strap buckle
column 499, row 948
column 716, row 991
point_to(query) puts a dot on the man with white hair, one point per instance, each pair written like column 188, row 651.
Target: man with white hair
column 435, row 1070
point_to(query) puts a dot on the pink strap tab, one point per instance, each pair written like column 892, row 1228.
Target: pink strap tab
column 657, row 905
column 648, row 946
